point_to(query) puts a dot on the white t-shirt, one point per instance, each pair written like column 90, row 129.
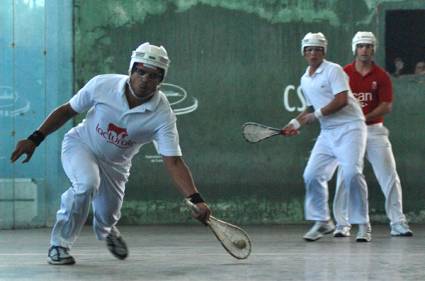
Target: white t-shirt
column 320, row 89
column 113, row 131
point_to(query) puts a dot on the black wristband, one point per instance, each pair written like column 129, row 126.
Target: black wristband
column 37, row 137
column 196, row 198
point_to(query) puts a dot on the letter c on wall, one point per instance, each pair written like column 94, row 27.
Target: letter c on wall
column 300, row 96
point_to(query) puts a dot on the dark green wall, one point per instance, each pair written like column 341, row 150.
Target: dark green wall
column 236, row 58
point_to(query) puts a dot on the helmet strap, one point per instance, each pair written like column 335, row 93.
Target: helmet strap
column 132, row 91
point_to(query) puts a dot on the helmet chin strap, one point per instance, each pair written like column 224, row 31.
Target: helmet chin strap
column 132, row 91
column 137, row 97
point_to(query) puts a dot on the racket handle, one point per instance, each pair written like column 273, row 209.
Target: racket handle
column 195, row 209
column 191, row 206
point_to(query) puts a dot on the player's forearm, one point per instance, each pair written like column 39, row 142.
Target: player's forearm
column 379, row 111
column 300, row 116
column 181, row 175
column 339, row 102
column 57, row 119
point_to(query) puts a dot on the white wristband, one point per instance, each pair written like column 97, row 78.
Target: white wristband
column 294, row 122
column 318, row 113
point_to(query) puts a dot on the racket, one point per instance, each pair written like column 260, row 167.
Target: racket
column 233, row 238
column 255, row 132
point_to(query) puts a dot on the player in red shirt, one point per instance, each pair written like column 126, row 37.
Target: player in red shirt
column 372, row 86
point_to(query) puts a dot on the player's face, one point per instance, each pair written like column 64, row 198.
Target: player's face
column 364, row 52
column 145, row 80
column 314, row 55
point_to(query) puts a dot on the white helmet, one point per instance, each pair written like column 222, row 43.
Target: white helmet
column 314, row 39
column 150, row 55
column 364, row 37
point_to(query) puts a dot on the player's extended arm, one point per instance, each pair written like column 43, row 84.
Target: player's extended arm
column 340, row 100
column 54, row 121
column 292, row 128
column 382, row 109
column 182, row 176
column 302, row 116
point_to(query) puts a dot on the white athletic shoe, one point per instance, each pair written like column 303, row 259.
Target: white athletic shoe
column 59, row 256
column 401, row 229
column 365, row 233
column 318, row 229
column 342, row 231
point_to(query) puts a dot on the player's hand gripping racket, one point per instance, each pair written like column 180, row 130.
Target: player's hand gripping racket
column 255, row 132
column 234, row 239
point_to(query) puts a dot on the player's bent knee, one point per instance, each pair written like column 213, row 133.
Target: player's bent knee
column 87, row 185
column 353, row 177
column 311, row 176
column 85, row 188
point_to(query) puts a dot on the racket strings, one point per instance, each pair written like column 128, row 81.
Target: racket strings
column 234, row 239
column 255, row 133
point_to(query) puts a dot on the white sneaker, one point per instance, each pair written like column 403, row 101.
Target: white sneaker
column 365, row 233
column 401, row 229
column 342, row 231
column 318, row 229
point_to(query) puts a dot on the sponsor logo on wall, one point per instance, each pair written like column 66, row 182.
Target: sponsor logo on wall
column 11, row 104
column 293, row 99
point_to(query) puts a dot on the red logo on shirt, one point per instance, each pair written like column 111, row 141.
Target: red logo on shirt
column 115, row 135
column 117, row 130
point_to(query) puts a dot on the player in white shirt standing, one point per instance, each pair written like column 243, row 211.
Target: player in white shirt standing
column 342, row 140
column 124, row 113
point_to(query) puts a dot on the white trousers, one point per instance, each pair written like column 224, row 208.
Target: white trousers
column 344, row 146
column 380, row 155
column 93, row 181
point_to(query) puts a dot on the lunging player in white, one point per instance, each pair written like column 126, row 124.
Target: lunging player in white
column 124, row 113
column 342, row 140
column 372, row 86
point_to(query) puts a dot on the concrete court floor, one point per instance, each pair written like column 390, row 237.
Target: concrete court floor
column 178, row 252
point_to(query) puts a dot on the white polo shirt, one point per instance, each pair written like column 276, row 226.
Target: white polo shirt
column 320, row 89
column 113, row 131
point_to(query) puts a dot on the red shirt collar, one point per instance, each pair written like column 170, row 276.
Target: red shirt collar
column 372, row 70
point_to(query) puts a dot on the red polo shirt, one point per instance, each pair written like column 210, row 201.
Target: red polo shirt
column 372, row 89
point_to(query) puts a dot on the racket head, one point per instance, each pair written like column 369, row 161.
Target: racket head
column 254, row 132
column 234, row 239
